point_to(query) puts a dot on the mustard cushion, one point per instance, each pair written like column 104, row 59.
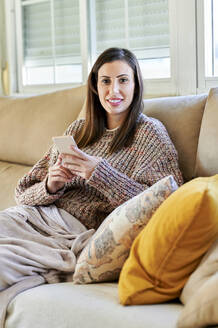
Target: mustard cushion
column 172, row 244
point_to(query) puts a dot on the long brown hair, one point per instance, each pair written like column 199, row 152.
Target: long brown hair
column 95, row 121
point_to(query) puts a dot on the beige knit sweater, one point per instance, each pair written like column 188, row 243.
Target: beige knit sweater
column 117, row 178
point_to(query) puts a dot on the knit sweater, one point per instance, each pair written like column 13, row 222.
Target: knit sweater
column 118, row 177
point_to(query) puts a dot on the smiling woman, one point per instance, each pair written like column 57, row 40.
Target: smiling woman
column 120, row 153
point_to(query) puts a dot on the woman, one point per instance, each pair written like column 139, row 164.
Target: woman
column 120, row 153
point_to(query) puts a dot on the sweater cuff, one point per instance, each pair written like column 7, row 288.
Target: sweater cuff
column 39, row 195
column 116, row 186
column 43, row 197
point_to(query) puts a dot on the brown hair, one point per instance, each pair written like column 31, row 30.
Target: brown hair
column 95, row 121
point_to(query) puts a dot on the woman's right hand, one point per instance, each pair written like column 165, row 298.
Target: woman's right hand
column 57, row 177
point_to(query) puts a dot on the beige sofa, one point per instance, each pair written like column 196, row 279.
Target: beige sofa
column 27, row 125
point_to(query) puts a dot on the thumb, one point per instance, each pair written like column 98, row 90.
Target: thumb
column 59, row 160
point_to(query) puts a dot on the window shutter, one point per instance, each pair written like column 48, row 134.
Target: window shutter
column 67, row 31
column 110, row 24
column 37, row 38
column 51, row 34
column 140, row 25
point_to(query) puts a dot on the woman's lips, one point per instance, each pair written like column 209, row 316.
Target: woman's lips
column 115, row 101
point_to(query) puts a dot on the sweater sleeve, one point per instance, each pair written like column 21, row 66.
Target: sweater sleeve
column 116, row 186
column 155, row 161
column 31, row 189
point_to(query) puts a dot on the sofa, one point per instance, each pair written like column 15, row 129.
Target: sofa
column 27, row 126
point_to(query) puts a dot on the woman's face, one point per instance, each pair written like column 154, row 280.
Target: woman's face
column 116, row 89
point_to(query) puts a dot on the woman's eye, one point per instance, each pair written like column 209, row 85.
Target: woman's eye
column 105, row 81
column 124, row 80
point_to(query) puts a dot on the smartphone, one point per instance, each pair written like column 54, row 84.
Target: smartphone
column 64, row 144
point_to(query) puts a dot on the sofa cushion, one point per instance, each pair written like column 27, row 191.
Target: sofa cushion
column 9, row 175
column 66, row 305
column 103, row 257
column 200, row 293
column 182, row 118
column 27, row 124
column 172, row 244
column 207, row 154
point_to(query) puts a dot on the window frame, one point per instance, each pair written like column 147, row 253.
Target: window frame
column 186, row 51
column 204, row 83
column 21, row 88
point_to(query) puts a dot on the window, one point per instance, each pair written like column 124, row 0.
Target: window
column 211, row 37
column 207, row 30
column 57, row 42
column 50, row 40
column 139, row 25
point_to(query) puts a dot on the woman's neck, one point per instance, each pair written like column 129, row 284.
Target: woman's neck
column 114, row 122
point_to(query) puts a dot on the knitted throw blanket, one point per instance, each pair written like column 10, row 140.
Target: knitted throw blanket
column 37, row 245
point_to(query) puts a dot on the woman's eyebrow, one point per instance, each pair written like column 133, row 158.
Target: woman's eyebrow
column 116, row 76
column 125, row 74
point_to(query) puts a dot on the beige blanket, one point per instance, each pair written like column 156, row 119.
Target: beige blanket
column 37, row 245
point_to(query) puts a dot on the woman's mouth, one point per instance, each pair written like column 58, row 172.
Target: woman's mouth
column 115, row 101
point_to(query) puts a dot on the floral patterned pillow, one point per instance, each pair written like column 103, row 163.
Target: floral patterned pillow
column 107, row 250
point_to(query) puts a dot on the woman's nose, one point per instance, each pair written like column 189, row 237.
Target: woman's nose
column 114, row 87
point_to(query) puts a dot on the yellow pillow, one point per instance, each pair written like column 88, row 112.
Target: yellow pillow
column 172, row 244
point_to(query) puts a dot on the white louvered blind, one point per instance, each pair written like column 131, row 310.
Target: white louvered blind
column 139, row 25
column 110, row 24
column 52, row 45
column 51, row 41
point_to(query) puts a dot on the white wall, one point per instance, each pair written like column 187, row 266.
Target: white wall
column 2, row 43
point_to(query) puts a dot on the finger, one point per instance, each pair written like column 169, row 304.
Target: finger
column 73, row 160
column 79, row 152
column 59, row 160
column 68, row 158
column 60, row 168
column 59, row 175
column 60, row 179
column 61, row 172
column 74, row 167
column 66, row 171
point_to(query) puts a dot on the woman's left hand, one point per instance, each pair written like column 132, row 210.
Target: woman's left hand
column 81, row 163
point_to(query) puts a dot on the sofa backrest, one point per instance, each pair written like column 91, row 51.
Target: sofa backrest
column 31, row 123
column 182, row 117
column 207, row 152
column 28, row 124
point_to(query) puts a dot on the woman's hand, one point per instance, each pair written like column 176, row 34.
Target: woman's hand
column 81, row 163
column 58, row 176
